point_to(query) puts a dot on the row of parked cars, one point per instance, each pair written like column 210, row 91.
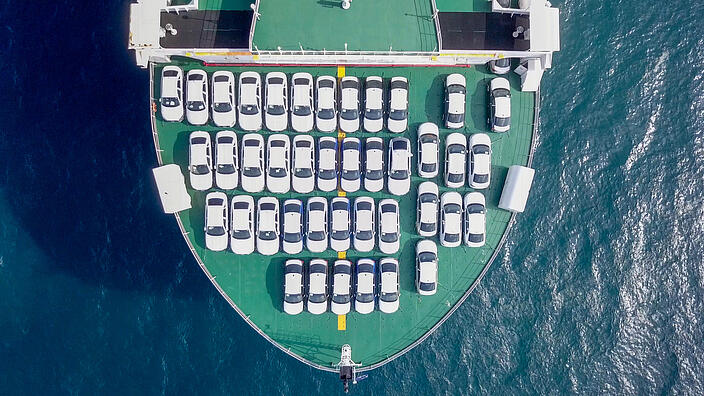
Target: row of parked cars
column 499, row 92
column 304, row 102
column 298, row 165
column 316, row 225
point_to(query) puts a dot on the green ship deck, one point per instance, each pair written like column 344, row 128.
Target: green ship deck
column 253, row 284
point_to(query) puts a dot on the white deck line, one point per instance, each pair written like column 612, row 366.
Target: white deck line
column 436, row 19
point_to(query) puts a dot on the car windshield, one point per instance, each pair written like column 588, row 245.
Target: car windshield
column 427, row 227
column 475, row 208
column 350, row 174
column 223, row 107
column 248, row 109
column 455, row 149
column 389, row 237
column 294, row 298
column 226, row 169
column 388, row 297
column 503, row 62
column 301, row 110
column 428, row 198
column 501, row 93
column 349, row 114
column 292, row 237
column 428, row 139
column 373, row 114
column 215, row 230
column 502, row 121
column 455, row 177
column 481, row 178
column 452, row 209
column 427, row 257
column 267, row 235
column 399, row 174
column 303, row 172
column 374, row 174
column 452, row 237
column 241, row 234
column 456, row 89
column 275, row 109
column 398, row 115
column 200, row 169
column 340, row 235
column 481, row 149
column 326, row 114
column 455, row 117
column 170, row 102
column 277, row 172
column 196, row 105
column 364, row 235
column 365, row 297
column 341, row 298
column 427, row 286
column 427, row 167
column 327, row 174
column 251, row 171
column 476, row 237
column 317, row 298
column 316, row 235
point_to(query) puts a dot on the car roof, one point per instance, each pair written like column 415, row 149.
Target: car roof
column 294, row 283
column 428, row 272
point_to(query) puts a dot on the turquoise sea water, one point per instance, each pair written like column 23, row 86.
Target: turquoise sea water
column 600, row 288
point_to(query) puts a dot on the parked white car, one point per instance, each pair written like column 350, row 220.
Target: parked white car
column 278, row 169
column 293, row 286
column 349, row 104
column 340, row 224
column 341, row 287
column 216, row 225
column 398, row 105
column 351, row 175
column 426, row 267
column 450, row 219
column 302, row 102
column 373, row 104
column 479, row 161
column 268, row 225
column 399, row 176
column 389, row 226
column 276, row 102
column 365, row 291
column 318, row 286
column 326, row 103
column 252, row 158
column 317, row 224
column 428, row 150
column 455, row 160
column 374, row 164
column 327, row 163
column 455, row 91
column 292, row 240
column 200, row 161
column 364, row 224
column 389, row 289
column 250, row 101
column 226, row 160
column 474, row 219
column 427, row 211
column 197, row 97
column 171, row 101
column 500, row 66
column 223, row 107
column 500, row 105
column 242, row 224
column 303, row 164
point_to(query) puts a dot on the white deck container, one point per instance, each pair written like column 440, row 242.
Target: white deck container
column 516, row 188
column 172, row 188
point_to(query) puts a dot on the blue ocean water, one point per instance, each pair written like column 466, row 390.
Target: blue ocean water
column 600, row 288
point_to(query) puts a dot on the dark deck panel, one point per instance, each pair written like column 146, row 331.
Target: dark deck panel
column 208, row 29
column 481, row 31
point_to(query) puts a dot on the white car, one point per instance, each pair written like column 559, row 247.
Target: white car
column 216, row 225
column 278, row 168
column 326, row 103
column 341, row 287
column 426, row 267
column 455, row 91
column 200, row 160
column 242, row 224
column 364, row 224
column 450, row 219
column 365, row 290
column 318, row 286
column 303, row 164
column 340, row 224
column 389, row 290
column 317, row 224
column 374, row 164
column 351, row 175
column 197, row 97
column 276, row 101
column 171, row 101
column 249, row 108
column 428, row 150
column 500, row 105
column 427, row 212
column 349, row 104
column 226, row 160
column 479, row 173
column 500, row 66
column 399, row 174
column 474, row 219
column 398, row 105
column 389, row 226
column 252, row 158
column 302, row 102
column 373, row 104
column 293, row 286
column 327, row 163
column 223, row 107
column 292, row 240
column 455, row 160
column 268, row 225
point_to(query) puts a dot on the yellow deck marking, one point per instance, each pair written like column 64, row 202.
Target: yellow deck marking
column 340, row 71
column 342, row 255
column 342, row 322
column 341, row 193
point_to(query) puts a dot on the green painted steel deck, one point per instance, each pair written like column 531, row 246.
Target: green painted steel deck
column 253, row 283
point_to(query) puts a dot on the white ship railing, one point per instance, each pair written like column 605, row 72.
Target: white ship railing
column 255, row 18
column 192, row 6
column 436, row 19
